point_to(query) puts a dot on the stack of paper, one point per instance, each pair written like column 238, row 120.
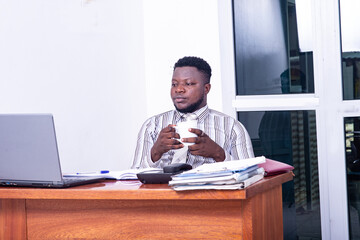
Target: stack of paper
column 129, row 174
column 237, row 174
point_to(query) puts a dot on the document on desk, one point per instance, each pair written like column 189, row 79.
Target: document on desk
column 236, row 174
column 129, row 174
column 221, row 168
column 233, row 165
column 219, row 180
column 241, row 185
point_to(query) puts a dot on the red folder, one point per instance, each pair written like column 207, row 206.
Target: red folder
column 273, row 167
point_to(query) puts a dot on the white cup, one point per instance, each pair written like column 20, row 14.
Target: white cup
column 182, row 128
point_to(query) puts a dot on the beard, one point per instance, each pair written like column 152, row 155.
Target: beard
column 191, row 108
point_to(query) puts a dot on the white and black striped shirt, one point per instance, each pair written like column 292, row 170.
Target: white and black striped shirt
column 227, row 132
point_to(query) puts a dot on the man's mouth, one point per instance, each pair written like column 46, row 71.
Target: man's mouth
column 179, row 99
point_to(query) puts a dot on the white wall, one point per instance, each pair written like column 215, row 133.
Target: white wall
column 174, row 29
column 83, row 62
column 101, row 67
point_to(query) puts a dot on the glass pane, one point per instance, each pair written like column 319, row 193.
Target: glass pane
column 352, row 138
column 350, row 39
column 267, row 54
column 290, row 137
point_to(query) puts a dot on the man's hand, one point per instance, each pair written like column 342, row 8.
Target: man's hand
column 204, row 146
column 166, row 141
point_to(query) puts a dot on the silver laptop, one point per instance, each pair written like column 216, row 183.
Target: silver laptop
column 29, row 153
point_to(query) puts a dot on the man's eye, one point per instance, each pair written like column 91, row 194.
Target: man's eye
column 190, row 84
column 173, row 84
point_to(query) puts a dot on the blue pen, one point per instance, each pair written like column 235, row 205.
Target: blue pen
column 101, row 172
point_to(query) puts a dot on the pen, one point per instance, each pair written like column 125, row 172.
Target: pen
column 101, row 172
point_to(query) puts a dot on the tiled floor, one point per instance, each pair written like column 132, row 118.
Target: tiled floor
column 301, row 225
column 354, row 223
column 305, row 225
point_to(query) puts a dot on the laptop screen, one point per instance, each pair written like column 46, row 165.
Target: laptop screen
column 28, row 148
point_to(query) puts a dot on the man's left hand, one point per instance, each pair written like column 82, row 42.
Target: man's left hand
column 204, row 146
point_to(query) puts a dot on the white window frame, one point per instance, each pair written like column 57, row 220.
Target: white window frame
column 326, row 101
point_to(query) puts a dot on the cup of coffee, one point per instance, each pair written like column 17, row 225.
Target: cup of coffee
column 182, row 128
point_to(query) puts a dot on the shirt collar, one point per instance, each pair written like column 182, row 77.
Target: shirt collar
column 200, row 113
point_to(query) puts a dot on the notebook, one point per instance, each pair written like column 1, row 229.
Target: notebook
column 29, row 153
column 273, row 167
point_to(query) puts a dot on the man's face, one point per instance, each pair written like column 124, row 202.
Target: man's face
column 188, row 89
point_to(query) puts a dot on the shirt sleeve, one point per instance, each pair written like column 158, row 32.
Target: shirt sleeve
column 142, row 156
column 241, row 146
column 228, row 157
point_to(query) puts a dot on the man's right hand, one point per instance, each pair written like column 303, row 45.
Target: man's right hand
column 166, row 141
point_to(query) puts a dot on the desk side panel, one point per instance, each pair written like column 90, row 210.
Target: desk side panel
column 263, row 217
column 12, row 219
column 134, row 219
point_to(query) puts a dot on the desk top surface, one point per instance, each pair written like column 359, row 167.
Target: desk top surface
column 135, row 190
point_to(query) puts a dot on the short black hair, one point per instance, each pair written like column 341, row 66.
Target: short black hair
column 197, row 62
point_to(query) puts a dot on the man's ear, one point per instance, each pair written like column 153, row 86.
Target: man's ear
column 207, row 87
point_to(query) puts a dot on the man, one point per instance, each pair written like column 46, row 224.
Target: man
column 219, row 137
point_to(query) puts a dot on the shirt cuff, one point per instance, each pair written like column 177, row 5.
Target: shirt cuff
column 228, row 157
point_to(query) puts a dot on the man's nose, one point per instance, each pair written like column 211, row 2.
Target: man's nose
column 180, row 88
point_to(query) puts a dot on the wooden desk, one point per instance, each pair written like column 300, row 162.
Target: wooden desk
column 130, row 210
